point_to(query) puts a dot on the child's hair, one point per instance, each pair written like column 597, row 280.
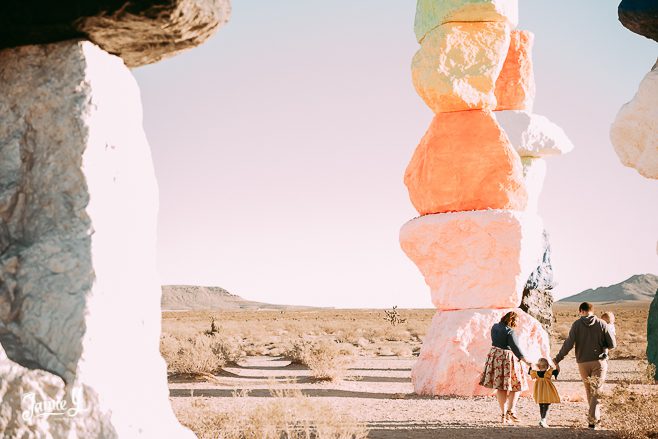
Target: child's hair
column 542, row 364
column 608, row 317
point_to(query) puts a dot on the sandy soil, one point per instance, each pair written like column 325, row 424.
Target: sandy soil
column 378, row 391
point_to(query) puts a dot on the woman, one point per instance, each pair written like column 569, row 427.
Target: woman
column 503, row 370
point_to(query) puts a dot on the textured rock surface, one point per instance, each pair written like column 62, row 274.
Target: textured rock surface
column 534, row 173
column 652, row 334
column 465, row 162
column 634, row 133
column 538, row 291
column 533, row 135
column 141, row 31
column 456, row 347
column 457, row 65
column 78, row 206
column 477, row 259
column 432, row 13
column 515, row 86
column 640, row 16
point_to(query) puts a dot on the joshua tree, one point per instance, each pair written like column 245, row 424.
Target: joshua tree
column 393, row 316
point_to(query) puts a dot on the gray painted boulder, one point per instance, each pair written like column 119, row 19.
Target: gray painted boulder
column 640, row 16
column 652, row 334
column 79, row 291
column 537, row 294
column 139, row 31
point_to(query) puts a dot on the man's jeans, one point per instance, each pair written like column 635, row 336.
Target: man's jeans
column 593, row 374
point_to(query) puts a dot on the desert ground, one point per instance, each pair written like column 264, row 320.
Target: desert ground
column 348, row 373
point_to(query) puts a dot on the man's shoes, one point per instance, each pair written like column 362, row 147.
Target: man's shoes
column 543, row 423
column 592, row 426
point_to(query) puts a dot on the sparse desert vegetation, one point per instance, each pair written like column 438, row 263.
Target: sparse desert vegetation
column 234, row 380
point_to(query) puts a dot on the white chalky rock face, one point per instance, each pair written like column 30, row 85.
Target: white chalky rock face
column 432, row 13
column 634, row 133
column 533, row 135
column 78, row 204
column 455, row 349
column 534, row 173
column 457, row 65
column 475, row 259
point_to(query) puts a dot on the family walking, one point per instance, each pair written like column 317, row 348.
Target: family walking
column 504, row 369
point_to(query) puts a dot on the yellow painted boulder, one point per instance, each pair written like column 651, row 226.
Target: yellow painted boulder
column 465, row 162
column 515, row 87
column 432, row 13
column 476, row 259
column 457, row 65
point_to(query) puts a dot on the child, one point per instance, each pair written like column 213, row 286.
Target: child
column 544, row 391
column 609, row 318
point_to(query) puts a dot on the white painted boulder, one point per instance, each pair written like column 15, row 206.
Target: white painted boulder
column 475, row 259
column 534, row 174
column 455, row 349
column 533, row 135
column 634, row 133
column 432, row 13
column 457, row 65
column 80, row 297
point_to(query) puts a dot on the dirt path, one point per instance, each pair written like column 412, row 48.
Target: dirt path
column 378, row 391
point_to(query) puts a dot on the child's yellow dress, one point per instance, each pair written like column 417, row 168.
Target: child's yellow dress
column 544, row 391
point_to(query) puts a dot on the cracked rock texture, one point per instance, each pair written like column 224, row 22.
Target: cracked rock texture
column 78, row 206
column 538, row 291
column 139, row 31
column 634, row 133
column 457, row 65
column 476, row 259
column 432, row 13
column 640, row 16
column 455, row 349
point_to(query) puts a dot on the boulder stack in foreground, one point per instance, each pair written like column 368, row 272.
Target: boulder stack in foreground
column 475, row 179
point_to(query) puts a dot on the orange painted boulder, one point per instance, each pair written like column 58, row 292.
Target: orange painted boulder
column 432, row 13
column 476, row 259
column 515, row 87
column 455, row 349
column 465, row 162
column 457, row 65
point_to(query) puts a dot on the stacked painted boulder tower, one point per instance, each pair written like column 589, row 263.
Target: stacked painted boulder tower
column 475, row 179
column 634, row 133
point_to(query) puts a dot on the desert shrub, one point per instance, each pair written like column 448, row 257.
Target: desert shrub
column 287, row 415
column 632, row 414
column 326, row 359
column 199, row 354
column 393, row 316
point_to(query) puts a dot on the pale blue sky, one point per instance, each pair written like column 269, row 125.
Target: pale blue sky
column 281, row 143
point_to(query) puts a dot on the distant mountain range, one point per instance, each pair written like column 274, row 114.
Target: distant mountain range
column 640, row 287
column 194, row 298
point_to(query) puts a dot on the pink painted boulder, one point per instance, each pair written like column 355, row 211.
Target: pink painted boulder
column 465, row 162
column 515, row 86
column 476, row 259
column 456, row 346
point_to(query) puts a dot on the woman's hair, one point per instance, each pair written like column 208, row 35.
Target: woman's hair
column 542, row 364
column 509, row 319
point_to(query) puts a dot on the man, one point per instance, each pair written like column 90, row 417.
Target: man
column 591, row 336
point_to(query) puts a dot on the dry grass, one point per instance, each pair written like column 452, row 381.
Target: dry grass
column 326, row 359
column 288, row 415
column 199, row 354
column 631, row 413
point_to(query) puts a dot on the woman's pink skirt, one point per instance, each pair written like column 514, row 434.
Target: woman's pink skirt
column 503, row 371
